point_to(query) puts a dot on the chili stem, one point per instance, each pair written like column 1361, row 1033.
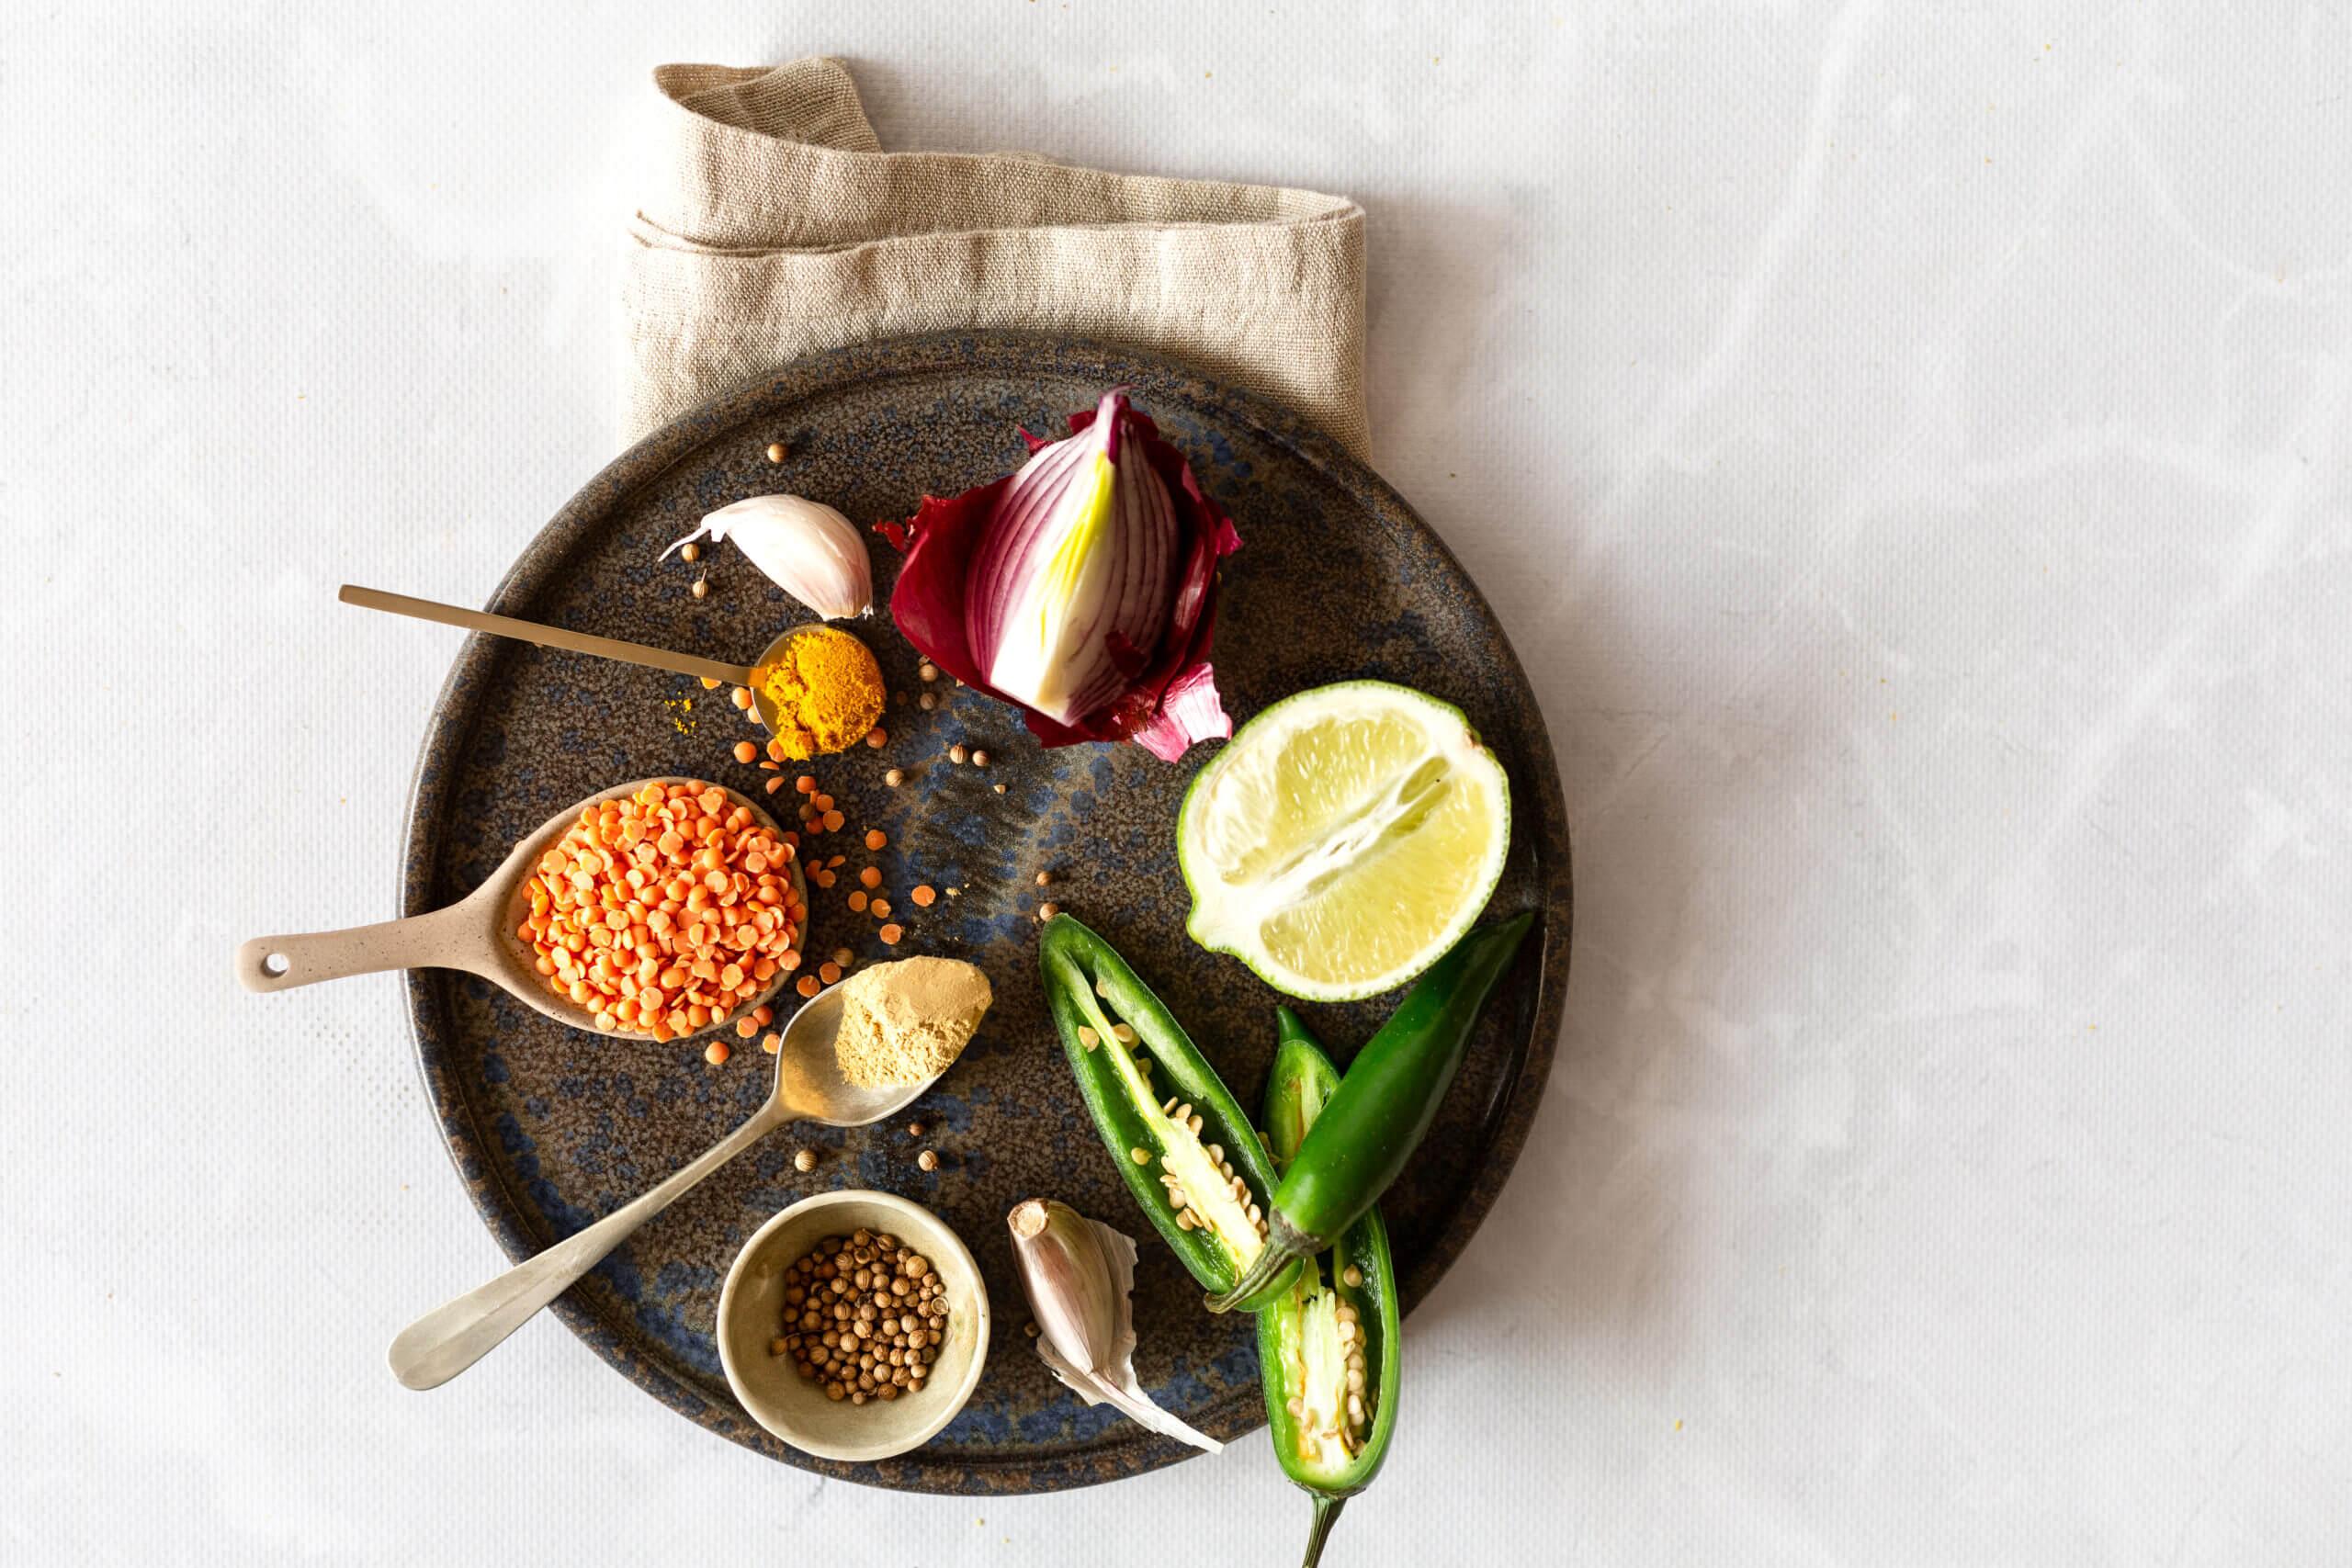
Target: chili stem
column 1327, row 1514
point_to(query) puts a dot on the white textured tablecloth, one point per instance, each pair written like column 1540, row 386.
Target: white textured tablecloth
column 1908, row 443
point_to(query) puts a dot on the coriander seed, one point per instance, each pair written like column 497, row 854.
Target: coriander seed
column 928, row 1160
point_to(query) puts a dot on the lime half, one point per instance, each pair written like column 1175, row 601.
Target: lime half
column 1344, row 839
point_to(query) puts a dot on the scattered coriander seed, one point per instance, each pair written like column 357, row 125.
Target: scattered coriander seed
column 894, row 778
column 702, row 588
column 915, row 1129
column 805, row 1159
column 979, row 759
column 776, row 451
column 927, row 703
column 1030, row 1328
column 877, row 738
column 1048, row 909
column 928, row 1160
column 957, row 754
column 690, row 553
column 1045, row 879
column 954, row 893
column 844, row 957
column 930, row 672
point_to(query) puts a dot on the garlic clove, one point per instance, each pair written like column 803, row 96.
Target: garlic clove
column 1077, row 1274
column 804, row 547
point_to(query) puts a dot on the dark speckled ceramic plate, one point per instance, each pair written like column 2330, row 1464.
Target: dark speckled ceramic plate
column 552, row 1128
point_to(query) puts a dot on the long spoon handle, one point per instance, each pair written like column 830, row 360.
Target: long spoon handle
column 444, row 939
column 451, row 1338
column 544, row 635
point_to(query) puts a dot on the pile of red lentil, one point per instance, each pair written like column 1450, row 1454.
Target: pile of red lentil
column 664, row 911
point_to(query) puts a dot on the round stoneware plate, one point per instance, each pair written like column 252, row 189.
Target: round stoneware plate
column 551, row 1127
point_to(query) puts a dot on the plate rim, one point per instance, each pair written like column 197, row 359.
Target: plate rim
column 643, row 463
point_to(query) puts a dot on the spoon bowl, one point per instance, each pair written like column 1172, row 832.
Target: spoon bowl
column 808, row 1087
column 479, row 932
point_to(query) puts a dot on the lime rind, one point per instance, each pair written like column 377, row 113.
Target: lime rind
column 1233, row 915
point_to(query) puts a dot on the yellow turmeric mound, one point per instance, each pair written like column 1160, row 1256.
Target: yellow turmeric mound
column 827, row 690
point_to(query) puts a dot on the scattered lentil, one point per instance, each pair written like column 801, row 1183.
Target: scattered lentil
column 772, row 1043
column 877, row 738
column 775, row 785
column 709, row 684
column 924, row 896
column 741, row 696
column 880, row 908
column 834, row 820
column 891, row 934
column 746, row 752
column 870, row 877
column 828, row 972
column 717, row 1053
column 875, row 838
column 857, row 903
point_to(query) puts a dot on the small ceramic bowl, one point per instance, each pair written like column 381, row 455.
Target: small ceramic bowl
column 751, row 1314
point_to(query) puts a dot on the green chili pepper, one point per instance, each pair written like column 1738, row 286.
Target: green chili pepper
column 1382, row 1107
column 1325, row 1445
column 1181, row 1141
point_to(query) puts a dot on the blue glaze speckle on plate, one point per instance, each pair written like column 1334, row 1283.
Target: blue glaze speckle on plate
column 552, row 1128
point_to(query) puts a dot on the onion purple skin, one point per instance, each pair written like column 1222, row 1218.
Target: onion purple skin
column 1170, row 698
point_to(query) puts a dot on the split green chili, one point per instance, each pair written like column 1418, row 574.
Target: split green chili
column 1328, row 1346
column 1384, row 1105
column 1181, row 1142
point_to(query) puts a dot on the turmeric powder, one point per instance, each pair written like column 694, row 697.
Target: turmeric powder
column 826, row 691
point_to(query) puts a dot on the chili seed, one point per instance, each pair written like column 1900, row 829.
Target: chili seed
column 1354, row 1276
column 1141, row 1156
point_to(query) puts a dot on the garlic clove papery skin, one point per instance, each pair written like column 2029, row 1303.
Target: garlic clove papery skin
column 804, row 547
column 1067, row 1281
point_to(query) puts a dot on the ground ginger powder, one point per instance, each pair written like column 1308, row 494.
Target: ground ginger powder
column 827, row 690
column 908, row 1020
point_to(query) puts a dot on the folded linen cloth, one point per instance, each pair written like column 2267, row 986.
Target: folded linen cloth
column 778, row 226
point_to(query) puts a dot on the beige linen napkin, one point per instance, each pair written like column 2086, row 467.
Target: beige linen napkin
column 779, row 226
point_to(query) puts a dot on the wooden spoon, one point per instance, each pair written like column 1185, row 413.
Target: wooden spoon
column 745, row 675
column 475, row 935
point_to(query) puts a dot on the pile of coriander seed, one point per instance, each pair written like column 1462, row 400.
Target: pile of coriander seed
column 864, row 1313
